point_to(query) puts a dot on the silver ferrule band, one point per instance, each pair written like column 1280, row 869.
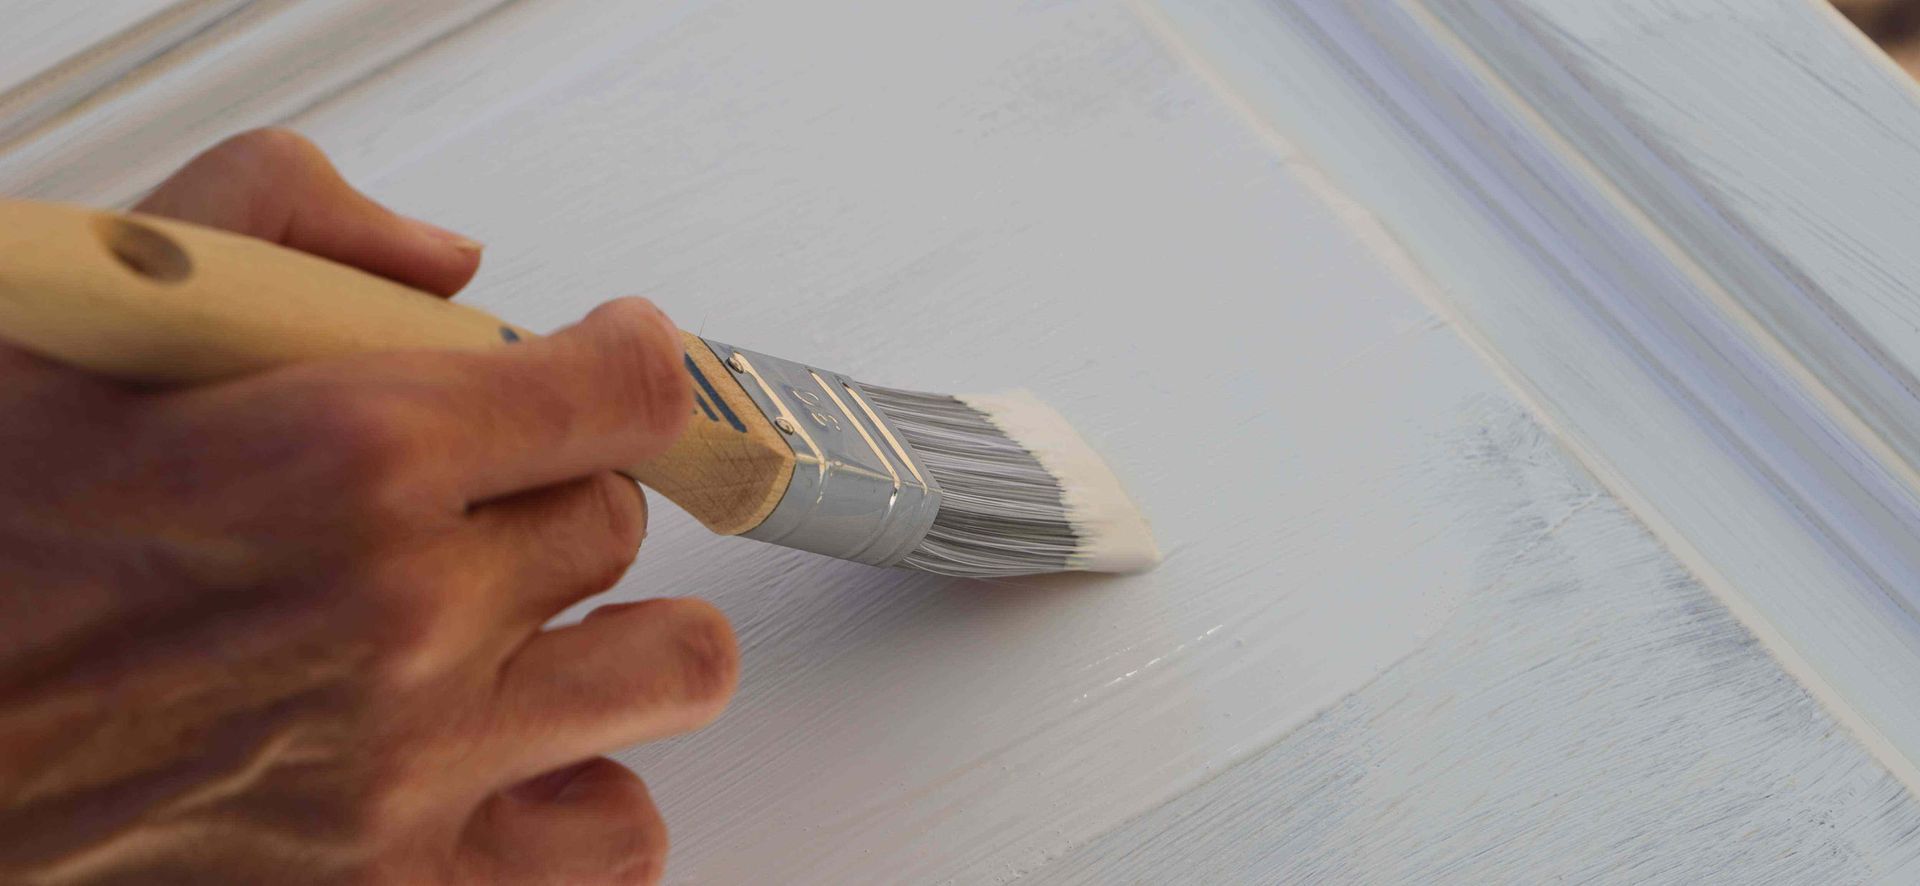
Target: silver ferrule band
column 857, row 492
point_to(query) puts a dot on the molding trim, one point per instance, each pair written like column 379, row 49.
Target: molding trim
column 1709, row 363
column 111, row 121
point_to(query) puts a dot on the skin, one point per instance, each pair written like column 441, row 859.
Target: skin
column 290, row 629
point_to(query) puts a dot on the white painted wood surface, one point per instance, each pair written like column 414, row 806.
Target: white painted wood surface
column 1401, row 636
column 1633, row 327
column 164, row 86
column 50, row 32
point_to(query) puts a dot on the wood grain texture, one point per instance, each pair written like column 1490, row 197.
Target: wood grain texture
column 1779, row 170
column 1399, row 635
column 1611, row 326
column 729, row 479
column 1539, row 710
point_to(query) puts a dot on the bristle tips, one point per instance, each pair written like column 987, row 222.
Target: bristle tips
column 1020, row 492
column 1113, row 533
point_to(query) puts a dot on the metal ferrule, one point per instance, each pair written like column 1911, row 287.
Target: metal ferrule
column 857, row 493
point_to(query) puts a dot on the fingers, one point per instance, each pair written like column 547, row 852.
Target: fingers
column 629, row 673
column 63, row 401
column 588, row 823
column 275, row 185
column 607, row 393
column 562, row 543
column 456, row 429
column 21, row 370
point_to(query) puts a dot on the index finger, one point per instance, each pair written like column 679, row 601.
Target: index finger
column 50, row 388
column 604, row 394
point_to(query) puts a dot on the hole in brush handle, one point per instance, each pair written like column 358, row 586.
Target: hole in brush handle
column 143, row 250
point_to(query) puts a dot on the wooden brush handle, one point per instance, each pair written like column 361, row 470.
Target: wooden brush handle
column 153, row 300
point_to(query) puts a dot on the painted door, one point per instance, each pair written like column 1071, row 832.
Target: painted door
column 1403, row 633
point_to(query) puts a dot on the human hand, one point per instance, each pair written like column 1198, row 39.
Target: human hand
column 288, row 628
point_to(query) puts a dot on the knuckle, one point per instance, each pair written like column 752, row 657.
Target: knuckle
column 404, row 612
column 365, row 446
column 640, row 842
column 391, row 799
column 255, row 183
column 645, row 866
column 270, row 148
column 696, row 665
column 623, row 509
column 407, row 647
column 709, row 657
column 427, row 636
column 594, row 534
column 648, row 360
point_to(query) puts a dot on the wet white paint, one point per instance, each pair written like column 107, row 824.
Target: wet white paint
column 1114, row 533
column 1393, row 620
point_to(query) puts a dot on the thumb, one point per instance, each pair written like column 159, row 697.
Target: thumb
column 592, row 822
column 275, row 185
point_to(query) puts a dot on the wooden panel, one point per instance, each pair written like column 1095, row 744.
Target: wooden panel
column 1789, row 170
column 1723, row 439
column 1052, row 183
column 1536, row 739
column 1392, row 610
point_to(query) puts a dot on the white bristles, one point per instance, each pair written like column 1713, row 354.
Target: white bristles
column 1021, row 492
column 1113, row 533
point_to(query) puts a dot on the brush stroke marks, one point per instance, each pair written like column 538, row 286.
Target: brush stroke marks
column 1285, row 440
column 1560, row 670
column 1628, row 334
column 1784, row 175
column 1386, row 597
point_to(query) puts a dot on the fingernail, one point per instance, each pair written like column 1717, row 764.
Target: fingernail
column 458, row 241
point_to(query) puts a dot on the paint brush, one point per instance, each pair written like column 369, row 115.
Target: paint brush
column 778, row 451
